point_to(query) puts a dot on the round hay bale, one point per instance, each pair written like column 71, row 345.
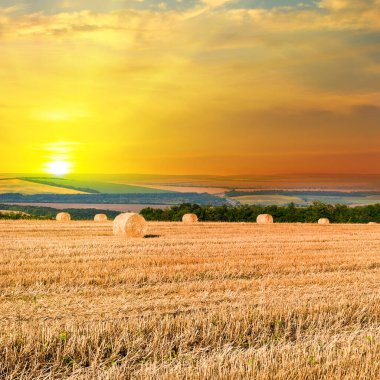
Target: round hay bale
column 264, row 219
column 372, row 223
column 63, row 217
column 324, row 221
column 129, row 225
column 100, row 218
column 190, row 218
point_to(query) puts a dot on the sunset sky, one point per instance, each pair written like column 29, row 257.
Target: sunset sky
column 190, row 86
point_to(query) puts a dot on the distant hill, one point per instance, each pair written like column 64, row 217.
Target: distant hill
column 164, row 198
column 174, row 190
column 303, row 198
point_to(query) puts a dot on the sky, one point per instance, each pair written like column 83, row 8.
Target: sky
column 190, row 86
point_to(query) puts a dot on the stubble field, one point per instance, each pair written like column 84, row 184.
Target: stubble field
column 206, row 301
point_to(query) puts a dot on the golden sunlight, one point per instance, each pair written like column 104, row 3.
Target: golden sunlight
column 58, row 167
column 53, row 115
column 68, row 113
column 59, row 160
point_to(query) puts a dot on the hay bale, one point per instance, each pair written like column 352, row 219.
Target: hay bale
column 372, row 223
column 264, row 219
column 189, row 218
column 63, row 217
column 129, row 225
column 324, row 221
column 100, row 218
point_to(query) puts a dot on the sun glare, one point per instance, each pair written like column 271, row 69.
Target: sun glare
column 58, row 167
column 53, row 115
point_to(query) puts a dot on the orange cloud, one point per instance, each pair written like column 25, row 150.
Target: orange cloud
column 252, row 88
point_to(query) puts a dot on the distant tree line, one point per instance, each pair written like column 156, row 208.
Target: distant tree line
column 281, row 214
column 21, row 217
column 41, row 212
column 243, row 213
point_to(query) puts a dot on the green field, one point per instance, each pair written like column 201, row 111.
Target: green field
column 15, row 185
column 89, row 186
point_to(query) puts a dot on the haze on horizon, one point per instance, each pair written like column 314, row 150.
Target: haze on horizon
column 190, row 86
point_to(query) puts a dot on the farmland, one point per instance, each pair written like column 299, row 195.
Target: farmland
column 94, row 186
column 189, row 189
column 304, row 198
column 210, row 300
column 267, row 199
column 49, row 190
column 132, row 190
column 15, row 185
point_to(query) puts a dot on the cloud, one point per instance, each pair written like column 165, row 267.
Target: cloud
column 213, row 77
column 272, row 50
column 217, row 3
column 239, row 22
column 339, row 5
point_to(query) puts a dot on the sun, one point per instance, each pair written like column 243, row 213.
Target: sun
column 58, row 167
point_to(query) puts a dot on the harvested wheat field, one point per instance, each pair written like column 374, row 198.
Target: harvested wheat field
column 205, row 301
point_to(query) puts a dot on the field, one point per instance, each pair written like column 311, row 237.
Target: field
column 14, row 185
column 139, row 189
column 207, row 301
column 95, row 186
column 189, row 189
column 304, row 199
column 107, row 206
column 267, row 200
